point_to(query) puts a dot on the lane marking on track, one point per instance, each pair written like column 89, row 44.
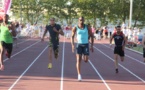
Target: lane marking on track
column 22, row 50
column 62, row 68
column 128, row 56
column 121, row 66
column 100, row 75
column 21, row 42
column 19, row 78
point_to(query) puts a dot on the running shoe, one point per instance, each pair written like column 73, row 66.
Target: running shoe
column 116, row 70
column 49, row 65
column 79, row 78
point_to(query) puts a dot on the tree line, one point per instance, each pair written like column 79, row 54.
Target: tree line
column 105, row 11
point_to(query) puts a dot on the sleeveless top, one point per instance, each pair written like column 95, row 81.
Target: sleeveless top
column 5, row 35
column 82, row 35
column 118, row 39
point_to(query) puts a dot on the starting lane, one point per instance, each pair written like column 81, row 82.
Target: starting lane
column 17, row 65
column 40, row 76
column 91, row 79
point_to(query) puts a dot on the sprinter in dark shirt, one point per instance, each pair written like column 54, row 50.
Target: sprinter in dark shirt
column 120, row 41
column 54, row 31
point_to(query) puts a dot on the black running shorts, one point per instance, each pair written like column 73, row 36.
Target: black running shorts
column 119, row 51
column 7, row 46
column 144, row 52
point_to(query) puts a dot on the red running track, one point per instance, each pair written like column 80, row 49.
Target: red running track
column 27, row 69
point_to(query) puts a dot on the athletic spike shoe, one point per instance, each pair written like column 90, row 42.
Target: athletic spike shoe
column 49, row 65
column 116, row 70
column 79, row 78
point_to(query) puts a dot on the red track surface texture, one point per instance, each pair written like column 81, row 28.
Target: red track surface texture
column 27, row 69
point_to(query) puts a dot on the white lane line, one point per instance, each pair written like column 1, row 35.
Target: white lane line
column 21, row 42
column 62, row 68
column 122, row 66
column 19, row 78
column 100, row 75
column 128, row 56
column 22, row 50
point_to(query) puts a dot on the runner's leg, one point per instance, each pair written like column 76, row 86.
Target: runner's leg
column 86, row 57
column 121, row 53
column 78, row 66
column 144, row 54
column 78, row 61
column 86, row 52
column 50, row 58
column 56, row 51
column 122, row 58
column 116, row 62
column 1, row 57
column 9, row 48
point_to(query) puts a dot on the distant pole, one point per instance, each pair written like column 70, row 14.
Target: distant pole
column 20, row 11
column 131, row 9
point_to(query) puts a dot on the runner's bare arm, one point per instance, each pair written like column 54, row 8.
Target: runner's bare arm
column 73, row 35
column 91, row 36
column 143, row 42
column 111, row 38
column 13, row 32
column 125, row 40
column 44, row 33
column 61, row 32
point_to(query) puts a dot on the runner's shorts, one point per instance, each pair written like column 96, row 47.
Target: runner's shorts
column 144, row 52
column 7, row 46
column 118, row 50
column 82, row 49
column 54, row 46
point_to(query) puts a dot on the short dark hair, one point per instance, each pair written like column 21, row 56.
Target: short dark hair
column 118, row 26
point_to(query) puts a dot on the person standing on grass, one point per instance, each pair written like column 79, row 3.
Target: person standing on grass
column 143, row 44
column 54, row 31
column 7, row 31
column 83, row 33
column 120, row 42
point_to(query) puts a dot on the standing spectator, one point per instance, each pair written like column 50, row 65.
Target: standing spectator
column 106, row 33
column 110, row 29
column 125, row 32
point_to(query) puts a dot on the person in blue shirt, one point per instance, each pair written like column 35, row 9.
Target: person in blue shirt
column 83, row 32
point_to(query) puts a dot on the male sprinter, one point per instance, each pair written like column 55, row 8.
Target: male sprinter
column 83, row 32
column 7, row 31
column 120, row 41
column 143, row 44
column 54, row 31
